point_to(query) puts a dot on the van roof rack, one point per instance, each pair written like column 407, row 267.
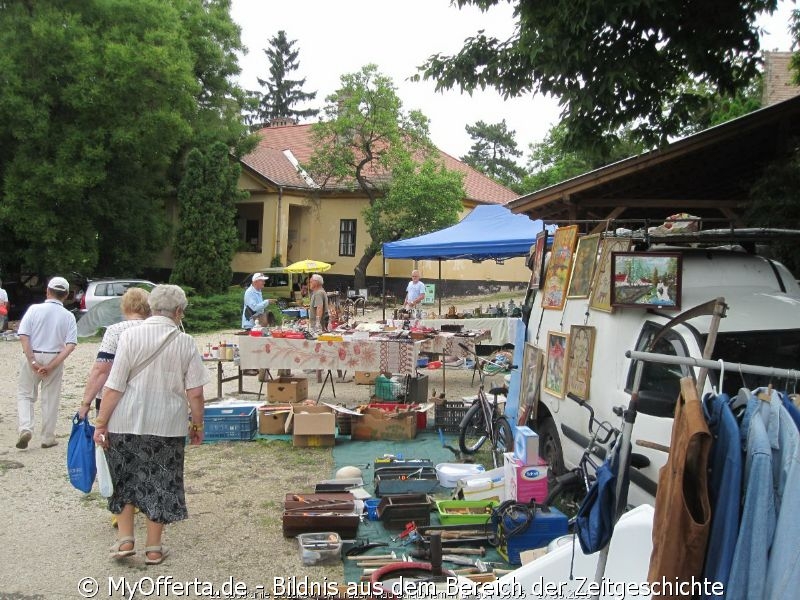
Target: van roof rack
column 646, row 232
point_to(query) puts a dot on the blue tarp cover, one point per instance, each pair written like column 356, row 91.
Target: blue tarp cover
column 488, row 232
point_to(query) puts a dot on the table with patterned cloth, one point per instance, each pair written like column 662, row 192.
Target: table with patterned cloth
column 501, row 329
column 388, row 356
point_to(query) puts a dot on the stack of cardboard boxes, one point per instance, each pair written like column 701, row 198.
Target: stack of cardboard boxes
column 525, row 473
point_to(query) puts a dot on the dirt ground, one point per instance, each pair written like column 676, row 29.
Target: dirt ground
column 55, row 539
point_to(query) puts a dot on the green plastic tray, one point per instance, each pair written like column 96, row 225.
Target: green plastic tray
column 480, row 511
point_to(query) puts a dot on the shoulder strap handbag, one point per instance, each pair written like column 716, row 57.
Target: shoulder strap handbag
column 140, row 367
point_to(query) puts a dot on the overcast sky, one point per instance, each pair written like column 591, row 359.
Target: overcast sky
column 335, row 37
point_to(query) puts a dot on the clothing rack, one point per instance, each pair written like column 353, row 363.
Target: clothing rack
column 714, row 364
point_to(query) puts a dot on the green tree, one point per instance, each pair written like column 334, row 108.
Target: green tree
column 423, row 197
column 552, row 161
column 612, row 63
column 283, row 93
column 100, row 102
column 774, row 204
column 493, row 151
column 364, row 142
column 207, row 199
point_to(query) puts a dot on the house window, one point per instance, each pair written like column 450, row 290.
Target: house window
column 347, row 237
column 252, row 230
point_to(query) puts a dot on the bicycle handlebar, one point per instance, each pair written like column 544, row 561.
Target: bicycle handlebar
column 603, row 426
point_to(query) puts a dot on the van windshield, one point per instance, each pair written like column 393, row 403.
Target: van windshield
column 780, row 349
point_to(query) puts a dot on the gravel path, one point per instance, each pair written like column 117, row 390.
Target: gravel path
column 54, row 537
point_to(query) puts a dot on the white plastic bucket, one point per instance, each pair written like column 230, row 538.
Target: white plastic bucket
column 448, row 474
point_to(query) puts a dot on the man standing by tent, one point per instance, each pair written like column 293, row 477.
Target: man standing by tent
column 415, row 294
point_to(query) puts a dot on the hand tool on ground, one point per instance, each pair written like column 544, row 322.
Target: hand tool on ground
column 412, row 526
column 425, row 554
column 372, row 557
column 362, row 546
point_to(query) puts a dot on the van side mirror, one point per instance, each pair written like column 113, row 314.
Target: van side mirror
column 656, row 404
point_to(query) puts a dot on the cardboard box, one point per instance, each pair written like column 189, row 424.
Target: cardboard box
column 313, row 426
column 526, row 445
column 272, row 421
column 489, row 485
column 366, row 377
column 377, row 424
column 287, row 389
column 524, row 482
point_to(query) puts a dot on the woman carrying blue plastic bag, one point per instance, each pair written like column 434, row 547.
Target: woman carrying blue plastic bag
column 154, row 389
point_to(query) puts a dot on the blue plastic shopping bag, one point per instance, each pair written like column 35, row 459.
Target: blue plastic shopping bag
column 81, row 464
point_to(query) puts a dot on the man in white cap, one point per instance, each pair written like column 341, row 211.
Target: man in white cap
column 48, row 334
column 254, row 304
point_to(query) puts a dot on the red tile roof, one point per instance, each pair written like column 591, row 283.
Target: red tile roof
column 269, row 161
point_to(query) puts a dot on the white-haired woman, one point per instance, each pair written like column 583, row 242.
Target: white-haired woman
column 143, row 421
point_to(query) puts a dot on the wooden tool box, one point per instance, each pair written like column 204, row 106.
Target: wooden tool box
column 313, row 513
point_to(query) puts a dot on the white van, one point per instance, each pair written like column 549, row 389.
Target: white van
column 761, row 327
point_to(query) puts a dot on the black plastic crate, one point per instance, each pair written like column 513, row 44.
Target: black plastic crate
column 448, row 415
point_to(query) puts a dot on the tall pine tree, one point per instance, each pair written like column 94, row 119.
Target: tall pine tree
column 206, row 239
column 493, row 151
column 283, row 93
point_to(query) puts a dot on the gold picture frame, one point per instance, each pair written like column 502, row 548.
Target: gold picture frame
column 555, row 373
column 600, row 295
column 554, row 294
column 580, row 283
column 579, row 361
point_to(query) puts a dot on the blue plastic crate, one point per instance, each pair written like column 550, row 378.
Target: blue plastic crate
column 230, row 423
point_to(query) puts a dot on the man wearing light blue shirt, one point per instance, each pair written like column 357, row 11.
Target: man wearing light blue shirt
column 254, row 301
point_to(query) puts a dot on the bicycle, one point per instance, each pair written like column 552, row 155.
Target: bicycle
column 578, row 480
column 483, row 421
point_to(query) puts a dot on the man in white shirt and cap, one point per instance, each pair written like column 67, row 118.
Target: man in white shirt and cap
column 254, row 303
column 48, row 334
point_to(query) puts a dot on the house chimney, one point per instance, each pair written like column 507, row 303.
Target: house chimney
column 282, row 122
column 778, row 78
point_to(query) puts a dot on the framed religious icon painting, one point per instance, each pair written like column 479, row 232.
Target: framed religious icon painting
column 579, row 360
column 554, row 294
column 555, row 364
column 537, row 259
column 532, row 367
column 600, row 295
column 646, row 279
column 583, row 267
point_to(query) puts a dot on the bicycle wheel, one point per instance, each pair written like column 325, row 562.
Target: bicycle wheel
column 503, row 437
column 473, row 432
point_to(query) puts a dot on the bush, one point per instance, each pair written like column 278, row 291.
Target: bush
column 220, row 311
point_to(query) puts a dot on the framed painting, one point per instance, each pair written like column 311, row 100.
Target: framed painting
column 555, row 373
column 646, row 279
column 600, row 295
column 554, row 295
column 579, row 360
column 533, row 366
column 537, row 259
column 583, row 268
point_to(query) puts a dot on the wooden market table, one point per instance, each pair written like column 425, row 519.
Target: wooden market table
column 221, row 374
column 501, row 329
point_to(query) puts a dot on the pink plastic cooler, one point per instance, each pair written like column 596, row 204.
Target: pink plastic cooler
column 524, row 482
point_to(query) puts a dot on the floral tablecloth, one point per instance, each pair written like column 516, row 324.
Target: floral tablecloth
column 357, row 355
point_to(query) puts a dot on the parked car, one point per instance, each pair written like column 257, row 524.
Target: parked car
column 98, row 290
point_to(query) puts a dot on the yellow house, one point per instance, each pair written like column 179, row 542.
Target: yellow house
column 289, row 215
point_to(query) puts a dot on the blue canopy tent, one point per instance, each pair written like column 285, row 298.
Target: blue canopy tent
column 488, row 232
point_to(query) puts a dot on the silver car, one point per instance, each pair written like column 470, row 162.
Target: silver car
column 104, row 289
